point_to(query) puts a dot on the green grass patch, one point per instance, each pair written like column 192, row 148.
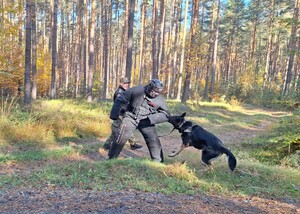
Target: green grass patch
column 281, row 146
column 145, row 175
column 52, row 121
column 42, row 135
column 36, row 155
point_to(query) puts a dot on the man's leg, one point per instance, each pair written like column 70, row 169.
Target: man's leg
column 126, row 129
column 150, row 135
column 108, row 142
column 114, row 130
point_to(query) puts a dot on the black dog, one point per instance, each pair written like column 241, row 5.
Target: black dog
column 196, row 136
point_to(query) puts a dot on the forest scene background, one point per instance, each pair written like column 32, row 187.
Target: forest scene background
column 232, row 65
column 202, row 50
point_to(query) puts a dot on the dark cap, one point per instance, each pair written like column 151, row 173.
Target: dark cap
column 124, row 80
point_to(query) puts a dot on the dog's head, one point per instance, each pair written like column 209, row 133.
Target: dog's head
column 177, row 121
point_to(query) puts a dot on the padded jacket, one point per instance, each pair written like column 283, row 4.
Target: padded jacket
column 138, row 106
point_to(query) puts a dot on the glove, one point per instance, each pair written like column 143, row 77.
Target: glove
column 113, row 117
column 145, row 122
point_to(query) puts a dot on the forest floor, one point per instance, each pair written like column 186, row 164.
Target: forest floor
column 62, row 200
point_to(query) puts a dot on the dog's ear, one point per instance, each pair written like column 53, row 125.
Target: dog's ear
column 183, row 115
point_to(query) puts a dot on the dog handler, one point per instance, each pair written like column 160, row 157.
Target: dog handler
column 145, row 107
column 124, row 85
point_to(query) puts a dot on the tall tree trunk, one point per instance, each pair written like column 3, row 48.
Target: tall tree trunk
column 34, row 87
column 177, row 29
column 125, row 40
column 182, row 49
column 199, row 55
column 254, row 32
column 85, row 42
column 169, row 47
column 130, row 39
column 67, row 50
column 105, row 50
column 161, row 35
column 27, row 85
column 269, row 46
column 91, row 53
column 77, row 50
column 62, row 53
column 187, row 80
column 209, row 56
column 142, row 40
column 216, row 39
column 109, row 42
column 154, row 40
column 20, row 9
column 292, row 46
column 297, row 68
column 51, row 28
column 54, row 37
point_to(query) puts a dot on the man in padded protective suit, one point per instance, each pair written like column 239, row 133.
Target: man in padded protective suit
column 124, row 85
column 145, row 107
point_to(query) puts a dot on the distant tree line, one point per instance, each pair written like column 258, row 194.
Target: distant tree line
column 204, row 49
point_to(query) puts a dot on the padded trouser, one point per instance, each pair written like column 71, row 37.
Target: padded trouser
column 115, row 126
column 147, row 130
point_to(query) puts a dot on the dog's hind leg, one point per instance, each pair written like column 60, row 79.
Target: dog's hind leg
column 209, row 155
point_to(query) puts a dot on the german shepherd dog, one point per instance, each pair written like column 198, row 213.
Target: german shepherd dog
column 194, row 135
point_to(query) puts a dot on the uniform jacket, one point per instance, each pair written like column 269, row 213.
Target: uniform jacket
column 138, row 106
column 118, row 92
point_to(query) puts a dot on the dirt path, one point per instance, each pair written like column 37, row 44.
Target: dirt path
column 61, row 200
column 79, row 201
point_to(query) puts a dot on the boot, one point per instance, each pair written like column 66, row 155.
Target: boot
column 135, row 146
column 106, row 146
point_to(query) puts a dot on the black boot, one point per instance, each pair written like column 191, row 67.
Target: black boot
column 115, row 150
column 106, row 146
column 135, row 146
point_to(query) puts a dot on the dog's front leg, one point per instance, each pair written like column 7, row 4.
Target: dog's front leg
column 182, row 146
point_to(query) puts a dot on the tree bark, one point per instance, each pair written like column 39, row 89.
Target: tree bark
column 130, row 39
column 27, row 85
column 161, row 37
column 154, row 40
column 125, row 40
column 292, row 46
column 182, row 50
column 34, row 48
column 142, row 41
column 216, row 39
column 105, row 50
column 54, row 37
column 269, row 46
column 91, row 53
column 190, row 67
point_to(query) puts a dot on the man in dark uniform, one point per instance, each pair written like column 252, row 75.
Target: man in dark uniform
column 145, row 107
column 124, row 85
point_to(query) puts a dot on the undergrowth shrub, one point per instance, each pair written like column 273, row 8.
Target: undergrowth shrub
column 50, row 121
column 281, row 145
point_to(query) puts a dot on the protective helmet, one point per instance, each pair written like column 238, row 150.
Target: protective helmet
column 154, row 88
column 156, row 85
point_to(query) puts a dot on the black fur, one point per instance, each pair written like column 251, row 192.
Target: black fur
column 194, row 135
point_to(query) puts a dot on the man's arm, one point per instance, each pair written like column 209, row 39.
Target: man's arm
column 118, row 105
column 162, row 114
column 159, row 117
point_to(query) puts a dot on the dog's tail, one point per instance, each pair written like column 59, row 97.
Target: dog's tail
column 231, row 159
